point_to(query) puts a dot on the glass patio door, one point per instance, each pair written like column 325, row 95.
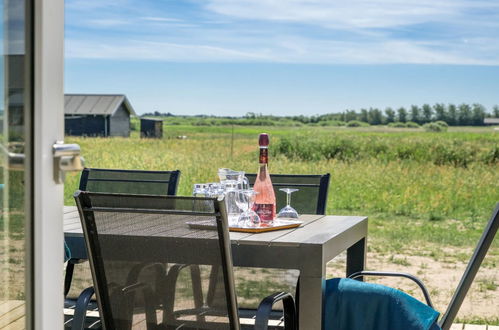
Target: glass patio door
column 15, row 171
column 31, row 197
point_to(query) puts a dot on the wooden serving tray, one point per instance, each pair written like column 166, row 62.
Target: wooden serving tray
column 278, row 224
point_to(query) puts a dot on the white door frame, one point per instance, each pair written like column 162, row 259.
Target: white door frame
column 48, row 123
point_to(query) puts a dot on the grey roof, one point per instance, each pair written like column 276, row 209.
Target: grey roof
column 152, row 119
column 95, row 104
column 491, row 121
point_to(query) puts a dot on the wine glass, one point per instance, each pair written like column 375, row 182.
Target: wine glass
column 287, row 211
column 248, row 218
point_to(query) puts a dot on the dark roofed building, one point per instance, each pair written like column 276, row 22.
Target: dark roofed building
column 491, row 121
column 151, row 128
column 97, row 115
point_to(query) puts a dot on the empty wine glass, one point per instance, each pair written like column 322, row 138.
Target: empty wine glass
column 287, row 211
column 248, row 218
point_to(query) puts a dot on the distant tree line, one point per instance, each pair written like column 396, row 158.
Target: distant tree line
column 454, row 115
column 158, row 114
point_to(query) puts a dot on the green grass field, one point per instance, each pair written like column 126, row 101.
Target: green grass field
column 426, row 194
column 382, row 184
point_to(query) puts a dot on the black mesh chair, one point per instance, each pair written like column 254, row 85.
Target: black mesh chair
column 484, row 243
column 311, row 197
column 130, row 181
column 127, row 236
column 111, row 181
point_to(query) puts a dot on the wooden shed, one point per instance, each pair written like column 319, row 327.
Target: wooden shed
column 97, row 115
column 151, row 128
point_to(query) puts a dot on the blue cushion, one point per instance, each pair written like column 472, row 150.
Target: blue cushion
column 355, row 305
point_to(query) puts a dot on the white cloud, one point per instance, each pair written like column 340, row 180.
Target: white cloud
column 291, row 50
column 161, row 51
column 296, row 31
column 160, row 19
column 348, row 14
column 107, row 22
column 90, row 5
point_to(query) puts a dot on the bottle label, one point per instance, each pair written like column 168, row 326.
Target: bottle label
column 265, row 211
column 264, row 156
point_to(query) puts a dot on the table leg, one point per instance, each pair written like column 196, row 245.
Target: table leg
column 356, row 257
column 311, row 303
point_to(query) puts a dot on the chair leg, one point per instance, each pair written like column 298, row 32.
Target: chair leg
column 171, row 284
column 212, row 287
column 197, row 290
column 81, row 308
column 68, row 277
column 297, row 300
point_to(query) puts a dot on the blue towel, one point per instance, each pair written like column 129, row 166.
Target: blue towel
column 355, row 305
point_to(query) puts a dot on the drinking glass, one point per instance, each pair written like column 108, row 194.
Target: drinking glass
column 287, row 211
column 199, row 190
column 231, row 192
column 248, row 218
column 214, row 189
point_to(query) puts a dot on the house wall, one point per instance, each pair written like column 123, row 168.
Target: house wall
column 158, row 127
column 85, row 125
column 120, row 122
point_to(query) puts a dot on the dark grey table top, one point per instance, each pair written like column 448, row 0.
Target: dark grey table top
column 316, row 230
column 308, row 247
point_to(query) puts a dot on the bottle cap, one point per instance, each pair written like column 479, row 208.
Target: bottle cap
column 263, row 140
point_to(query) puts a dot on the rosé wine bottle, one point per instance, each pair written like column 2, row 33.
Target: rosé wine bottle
column 265, row 199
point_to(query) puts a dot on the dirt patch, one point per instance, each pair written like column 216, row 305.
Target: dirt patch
column 12, row 267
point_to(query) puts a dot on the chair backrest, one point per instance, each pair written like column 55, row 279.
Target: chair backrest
column 131, row 234
column 311, row 198
column 479, row 254
column 129, row 181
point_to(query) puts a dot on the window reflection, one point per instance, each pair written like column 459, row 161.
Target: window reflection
column 12, row 176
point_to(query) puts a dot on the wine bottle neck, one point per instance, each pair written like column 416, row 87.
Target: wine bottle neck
column 262, row 172
column 264, row 156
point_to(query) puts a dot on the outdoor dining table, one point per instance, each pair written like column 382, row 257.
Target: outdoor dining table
column 307, row 248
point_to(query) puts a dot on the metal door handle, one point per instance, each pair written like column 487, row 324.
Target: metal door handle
column 66, row 159
column 15, row 161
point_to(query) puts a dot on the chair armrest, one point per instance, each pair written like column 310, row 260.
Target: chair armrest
column 265, row 308
column 392, row 274
column 81, row 308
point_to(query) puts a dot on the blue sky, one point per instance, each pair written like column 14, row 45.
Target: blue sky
column 229, row 57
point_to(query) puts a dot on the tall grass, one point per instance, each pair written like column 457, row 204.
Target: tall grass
column 423, row 148
column 419, row 175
